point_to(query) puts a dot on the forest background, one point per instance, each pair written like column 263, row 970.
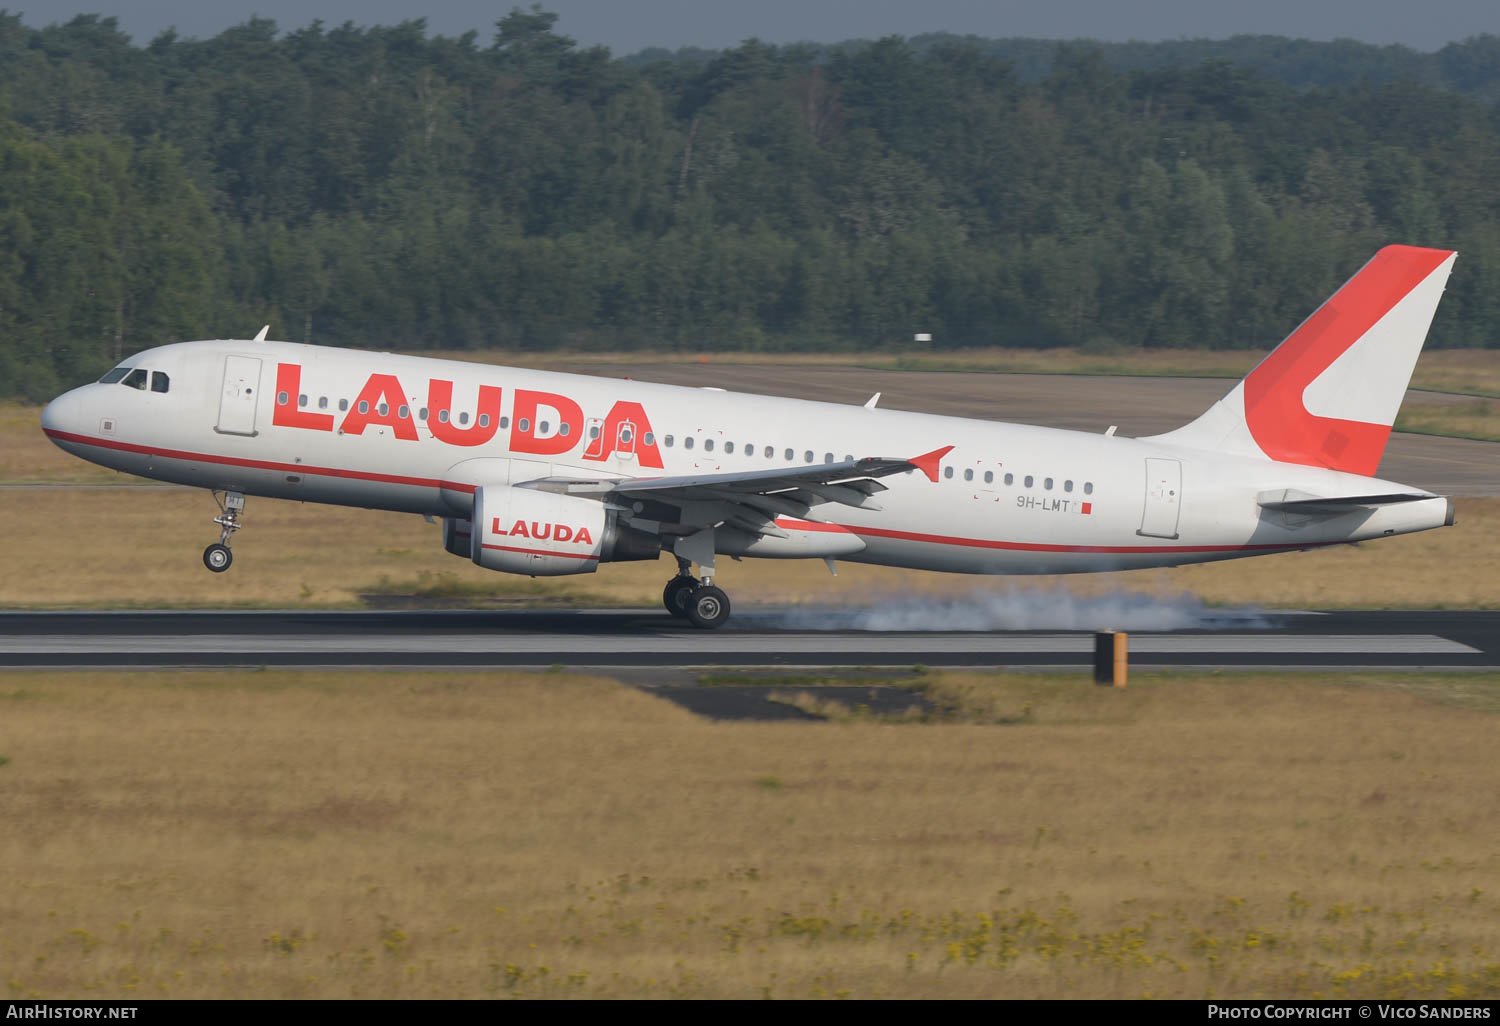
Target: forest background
column 377, row 187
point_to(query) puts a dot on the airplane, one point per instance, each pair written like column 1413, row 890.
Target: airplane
column 548, row 474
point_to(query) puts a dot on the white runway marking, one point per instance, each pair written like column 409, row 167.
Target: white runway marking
column 686, row 643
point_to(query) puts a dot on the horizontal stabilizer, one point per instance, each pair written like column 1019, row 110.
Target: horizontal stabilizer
column 1285, row 500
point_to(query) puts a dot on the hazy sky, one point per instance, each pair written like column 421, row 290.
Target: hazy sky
column 629, row 25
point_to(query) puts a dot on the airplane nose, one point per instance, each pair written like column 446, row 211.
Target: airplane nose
column 62, row 414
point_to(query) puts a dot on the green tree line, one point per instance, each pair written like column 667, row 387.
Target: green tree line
column 386, row 188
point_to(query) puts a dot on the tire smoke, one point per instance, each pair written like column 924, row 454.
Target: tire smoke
column 1027, row 609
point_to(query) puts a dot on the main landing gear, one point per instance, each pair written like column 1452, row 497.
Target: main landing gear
column 695, row 601
column 217, row 556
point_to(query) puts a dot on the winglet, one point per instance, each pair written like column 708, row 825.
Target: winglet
column 873, row 400
column 260, row 336
column 927, row 463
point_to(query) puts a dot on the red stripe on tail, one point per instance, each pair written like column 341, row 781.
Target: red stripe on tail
column 1274, row 409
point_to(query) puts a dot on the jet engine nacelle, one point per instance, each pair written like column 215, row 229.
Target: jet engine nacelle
column 543, row 534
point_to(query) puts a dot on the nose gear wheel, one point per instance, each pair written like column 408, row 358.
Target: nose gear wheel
column 217, row 556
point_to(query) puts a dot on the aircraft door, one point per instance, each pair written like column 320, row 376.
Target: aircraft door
column 595, row 435
column 1163, row 499
column 625, row 441
column 239, row 395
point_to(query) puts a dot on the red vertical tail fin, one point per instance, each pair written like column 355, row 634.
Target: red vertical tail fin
column 1328, row 395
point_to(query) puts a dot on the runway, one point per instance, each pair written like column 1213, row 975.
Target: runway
column 641, row 638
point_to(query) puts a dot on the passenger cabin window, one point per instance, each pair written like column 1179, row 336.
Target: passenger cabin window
column 1010, row 479
column 1028, row 480
column 708, row 445
column 159, row 382
column 729, row 448
column 343, row 405
column 1088, row 488
column 114, row 376
column 136, row 379
column 770, row 452
column 989, row 477
column 807, row 457
column 948, row 472
column 687, row 441
column 969, row 474
column 669, row 439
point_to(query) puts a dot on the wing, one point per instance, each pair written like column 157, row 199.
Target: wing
column 750, row 500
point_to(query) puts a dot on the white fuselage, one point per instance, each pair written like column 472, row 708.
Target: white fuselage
column 1008, row 498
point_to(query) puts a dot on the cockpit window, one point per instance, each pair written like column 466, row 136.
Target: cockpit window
column 114, row 375
column 159, row 382
column 136, row 379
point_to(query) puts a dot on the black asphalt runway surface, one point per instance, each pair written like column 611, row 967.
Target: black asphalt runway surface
column 605, row 639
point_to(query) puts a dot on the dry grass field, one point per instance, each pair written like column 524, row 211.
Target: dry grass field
column 141, row 547
column 281, row 834
column 1475, row 418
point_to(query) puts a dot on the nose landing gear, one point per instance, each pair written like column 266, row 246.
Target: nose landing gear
column 217, row 556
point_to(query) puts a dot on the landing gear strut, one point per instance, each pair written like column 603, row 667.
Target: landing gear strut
column 217, row 556
column 695, row 601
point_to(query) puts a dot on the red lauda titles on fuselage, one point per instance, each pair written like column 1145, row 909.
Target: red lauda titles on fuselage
column 383, row 399
column 544, row 532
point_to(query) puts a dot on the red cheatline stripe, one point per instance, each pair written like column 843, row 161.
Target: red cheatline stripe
column 540, row 552
column 785, row 522
column 235, row 461
column 985, row 543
